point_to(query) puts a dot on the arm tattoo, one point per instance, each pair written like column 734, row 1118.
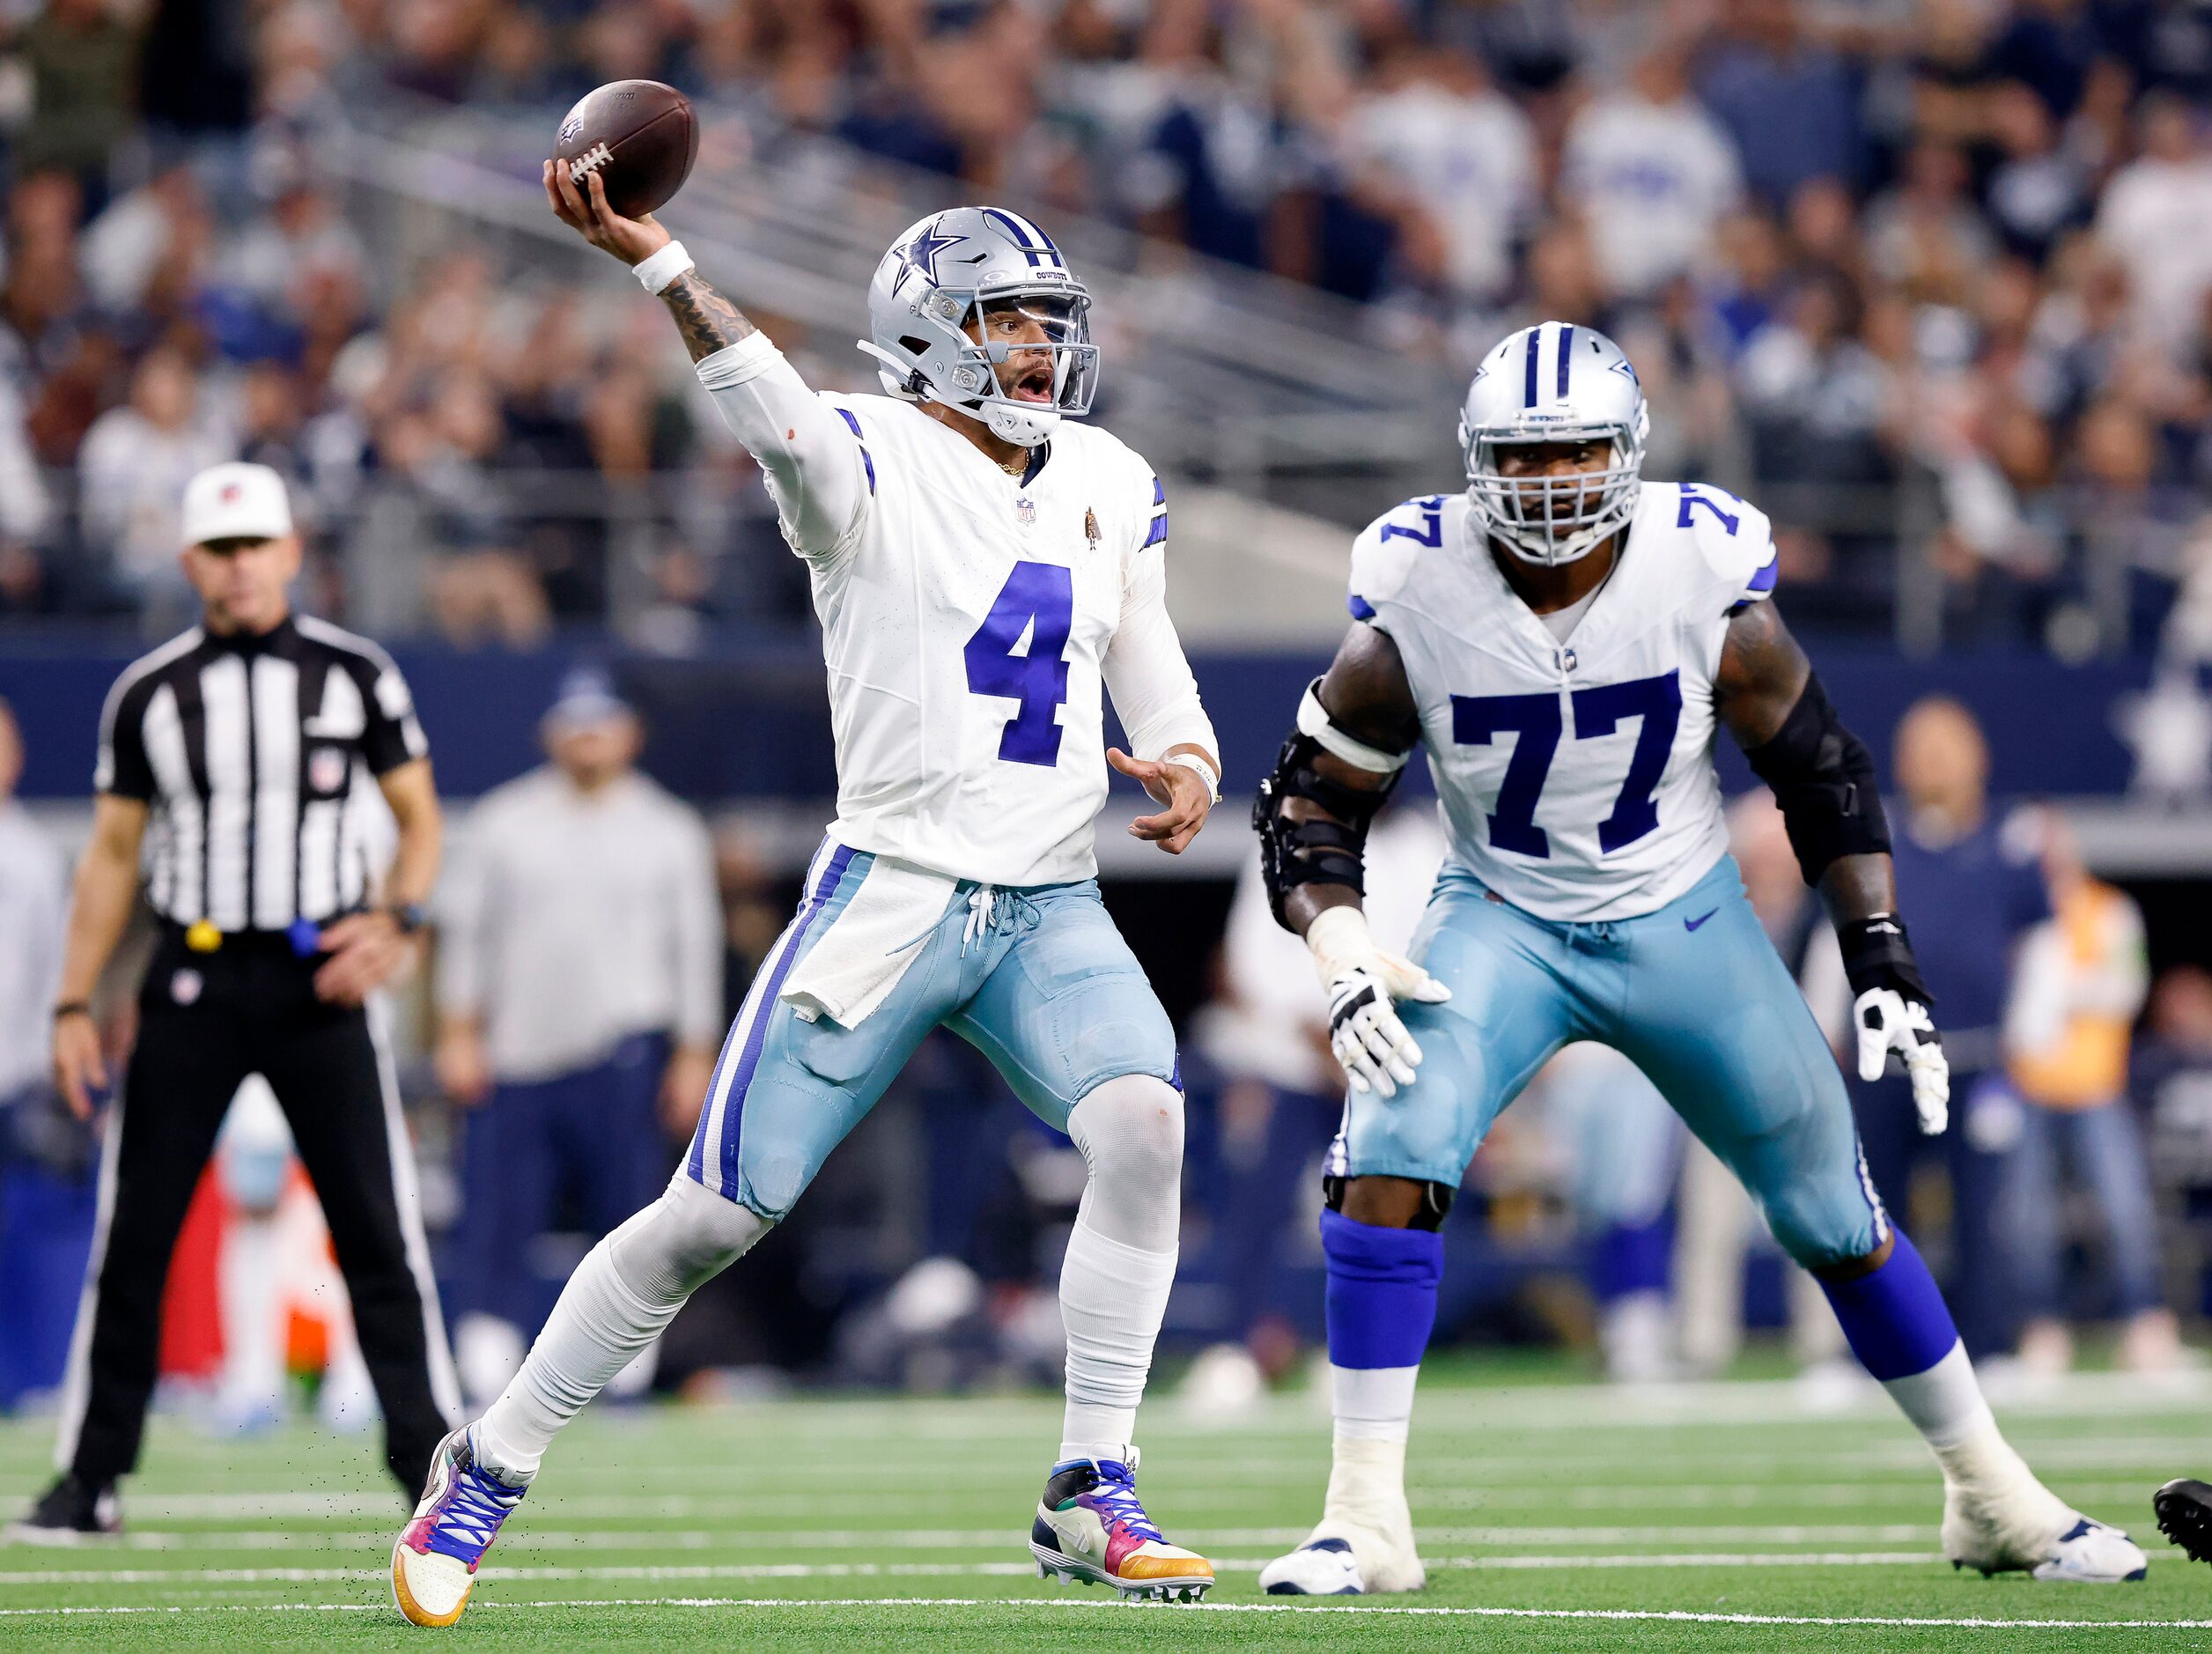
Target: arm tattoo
column 1761, row 674
column 708, row 321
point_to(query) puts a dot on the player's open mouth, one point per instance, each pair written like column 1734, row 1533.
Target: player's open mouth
column 1034, row 385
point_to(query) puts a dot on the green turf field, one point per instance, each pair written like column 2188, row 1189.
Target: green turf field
column 1554, row 1517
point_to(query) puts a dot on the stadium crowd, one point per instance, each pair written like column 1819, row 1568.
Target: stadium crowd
column 1959, row 249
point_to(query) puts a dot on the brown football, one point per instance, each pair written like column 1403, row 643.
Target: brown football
column 639, row 135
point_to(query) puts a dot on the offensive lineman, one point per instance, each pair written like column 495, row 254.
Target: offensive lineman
column 980, row 568
column 1564, row 638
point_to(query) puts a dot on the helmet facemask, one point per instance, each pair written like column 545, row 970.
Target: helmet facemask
column 984, row 378
column 1552, row 519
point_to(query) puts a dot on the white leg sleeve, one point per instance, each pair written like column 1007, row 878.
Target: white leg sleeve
column 1121, row 1256
column 621, row 1297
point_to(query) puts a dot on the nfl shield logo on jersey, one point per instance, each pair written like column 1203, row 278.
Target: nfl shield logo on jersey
column 326, row 769
column 1025, row 510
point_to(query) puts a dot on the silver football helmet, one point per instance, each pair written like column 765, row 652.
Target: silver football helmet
column 961, row 268
column 1554, row 382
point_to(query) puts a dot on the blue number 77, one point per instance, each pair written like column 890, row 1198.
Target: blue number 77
column 1656, row 701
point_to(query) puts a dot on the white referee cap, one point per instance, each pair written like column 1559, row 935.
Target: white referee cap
column 236, row 501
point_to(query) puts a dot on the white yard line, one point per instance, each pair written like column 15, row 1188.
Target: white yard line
column 775, row 1603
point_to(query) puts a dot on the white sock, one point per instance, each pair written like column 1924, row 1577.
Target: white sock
column 1946, row 1406
column 1121, row 1257
column 1373, row 1404
column 621, row 1298
column 1367, row 1487
column 1112, row 1300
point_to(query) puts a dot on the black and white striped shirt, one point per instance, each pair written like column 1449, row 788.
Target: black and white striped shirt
column 258, row 757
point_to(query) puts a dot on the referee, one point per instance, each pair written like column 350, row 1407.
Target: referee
column 236, row 764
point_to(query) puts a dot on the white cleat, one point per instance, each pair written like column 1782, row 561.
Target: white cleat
column 2030, row 1530
column 2093, row 1553
column 1347, row 1559
column 1319, row 1568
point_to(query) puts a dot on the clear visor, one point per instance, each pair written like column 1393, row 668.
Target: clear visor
column 1037, row 348
column 1554, row 516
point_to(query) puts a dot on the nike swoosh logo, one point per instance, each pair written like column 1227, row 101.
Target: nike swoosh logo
column 1691, row 924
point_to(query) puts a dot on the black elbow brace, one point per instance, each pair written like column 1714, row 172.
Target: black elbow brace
column 1823, row 777
column 1327, row 849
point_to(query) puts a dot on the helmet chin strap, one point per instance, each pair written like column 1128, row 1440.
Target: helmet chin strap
column 1024, row 427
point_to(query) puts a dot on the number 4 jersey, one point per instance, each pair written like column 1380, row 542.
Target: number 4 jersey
column 970, row 620
column 1576, row 774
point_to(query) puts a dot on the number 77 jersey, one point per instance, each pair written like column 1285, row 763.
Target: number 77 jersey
column 1576, row 774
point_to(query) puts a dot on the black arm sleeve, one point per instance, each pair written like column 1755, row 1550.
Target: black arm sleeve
column 1328, row 848
column 1823, row 777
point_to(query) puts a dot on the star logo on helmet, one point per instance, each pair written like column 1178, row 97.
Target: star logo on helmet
column 922, row 251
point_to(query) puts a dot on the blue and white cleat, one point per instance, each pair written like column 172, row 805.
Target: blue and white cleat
column 2029, row 1530
column 1363, row 1544
column 434, row 1559
column 1092, row 1528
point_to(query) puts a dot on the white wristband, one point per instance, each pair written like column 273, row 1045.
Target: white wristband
column 655, row 271
column 1205, row 771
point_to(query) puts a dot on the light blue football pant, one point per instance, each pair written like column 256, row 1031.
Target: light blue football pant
column 1693, row 994
column 1040, row 981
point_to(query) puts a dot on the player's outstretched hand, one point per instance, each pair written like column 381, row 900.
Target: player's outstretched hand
column 584, row 209
column 1364, row 985
column 1176, row 785
column 1888, row 1020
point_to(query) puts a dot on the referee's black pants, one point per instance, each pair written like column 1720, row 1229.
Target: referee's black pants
column 206, row 1021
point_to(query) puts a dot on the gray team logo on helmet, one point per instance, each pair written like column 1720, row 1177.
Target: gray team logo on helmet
column 1554, row 382
column 983, row 273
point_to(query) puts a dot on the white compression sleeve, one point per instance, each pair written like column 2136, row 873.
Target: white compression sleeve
column 1147, row 673
column 1121, row 1256
column 621, row 1298
column 812, row 460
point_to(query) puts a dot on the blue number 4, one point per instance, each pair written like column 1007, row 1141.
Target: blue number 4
column 1656, row 701
column 1039, row 599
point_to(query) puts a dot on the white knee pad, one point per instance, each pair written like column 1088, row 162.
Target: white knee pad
column 683, row 1240
column 1129, row 1130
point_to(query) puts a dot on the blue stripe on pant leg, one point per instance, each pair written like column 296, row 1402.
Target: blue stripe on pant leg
column 749, row 1058
column 713, row 1122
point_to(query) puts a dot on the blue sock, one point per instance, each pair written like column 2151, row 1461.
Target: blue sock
column 1894, row 1318
column 1629, row 1257
column 1382, row 1297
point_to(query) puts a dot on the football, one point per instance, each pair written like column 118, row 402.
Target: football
column 639, row 135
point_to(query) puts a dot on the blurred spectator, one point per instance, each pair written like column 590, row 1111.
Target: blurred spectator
column 1715, row 1217
column 1787, row 100
column 2072, row 1070
column 1652, row 174
column 1451, row 162
column 136, row 462
column 579, row 1007
column 2172, row 1080
column 46, row 1158
column 1971, row 893
column 82, row 56
column 2157, row 215
column 1620, row 1144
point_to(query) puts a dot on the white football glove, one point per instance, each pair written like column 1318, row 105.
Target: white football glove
column 1889, row 1021
column 1362, row 982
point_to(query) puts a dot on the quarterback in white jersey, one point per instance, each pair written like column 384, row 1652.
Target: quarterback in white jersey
column 984, row 569
column 1565, row 639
